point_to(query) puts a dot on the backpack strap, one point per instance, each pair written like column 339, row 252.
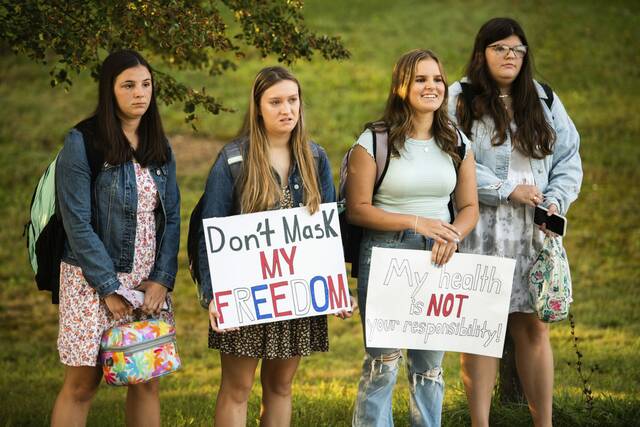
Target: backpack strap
column 468, row 94
column 381, row 152
column 233, row 152
column 95, row 157
column 461, row 148
column 549, row 93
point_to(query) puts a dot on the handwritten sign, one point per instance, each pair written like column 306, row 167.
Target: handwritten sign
column 462, row 306
column 276, row 265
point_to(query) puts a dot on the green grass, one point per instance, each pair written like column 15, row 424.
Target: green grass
column 584, row 49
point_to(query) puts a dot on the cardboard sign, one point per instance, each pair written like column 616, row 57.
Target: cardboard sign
column 462, row 306
column 276, row 265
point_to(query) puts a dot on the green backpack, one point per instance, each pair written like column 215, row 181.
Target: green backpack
column 44, row 230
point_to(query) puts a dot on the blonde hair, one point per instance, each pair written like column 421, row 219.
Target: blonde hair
column 260, row 190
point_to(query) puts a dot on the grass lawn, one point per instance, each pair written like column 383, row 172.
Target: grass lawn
column 583, row 49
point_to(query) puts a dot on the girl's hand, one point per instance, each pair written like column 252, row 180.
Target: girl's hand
column 345, row 314
column 440, row 231
column 118, row 306
column 213, row 319
column 155, row 295
column 441, row 253
column 528, row 195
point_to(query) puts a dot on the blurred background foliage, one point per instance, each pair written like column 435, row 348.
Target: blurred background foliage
column 586, row 50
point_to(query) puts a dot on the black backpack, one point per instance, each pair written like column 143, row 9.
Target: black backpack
column 233, row 152
column 352, row 234
column 44, row 230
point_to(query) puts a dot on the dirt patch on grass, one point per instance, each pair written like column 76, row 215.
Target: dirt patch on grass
column 194, row 155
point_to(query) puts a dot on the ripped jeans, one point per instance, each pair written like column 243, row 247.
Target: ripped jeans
column 380, row 366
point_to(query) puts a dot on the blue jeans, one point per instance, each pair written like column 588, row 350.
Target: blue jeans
column 380, row 366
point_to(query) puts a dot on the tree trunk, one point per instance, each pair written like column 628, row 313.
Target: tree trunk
column 509, row 387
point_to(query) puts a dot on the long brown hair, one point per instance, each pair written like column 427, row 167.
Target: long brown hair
column 534, row 136
column 260, row 190
column 398, row 112
column 153, row 147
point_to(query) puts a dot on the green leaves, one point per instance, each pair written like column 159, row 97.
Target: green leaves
column 75, row 35
column 277, row 27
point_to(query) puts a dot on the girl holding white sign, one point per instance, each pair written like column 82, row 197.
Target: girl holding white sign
column 280, row 168
column 526, row 150
column 410, row 210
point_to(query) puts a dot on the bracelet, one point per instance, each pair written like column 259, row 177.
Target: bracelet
column 415, row 224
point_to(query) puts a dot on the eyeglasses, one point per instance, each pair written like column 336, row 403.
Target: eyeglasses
column 501, row 49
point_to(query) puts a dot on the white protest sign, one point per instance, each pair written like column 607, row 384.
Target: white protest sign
column 462, row 306
column 276, row 265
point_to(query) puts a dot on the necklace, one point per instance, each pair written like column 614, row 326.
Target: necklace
column 504, row 95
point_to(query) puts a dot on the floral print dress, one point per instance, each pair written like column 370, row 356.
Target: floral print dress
column 507, row 230
column 276, row 340
column 82, row 313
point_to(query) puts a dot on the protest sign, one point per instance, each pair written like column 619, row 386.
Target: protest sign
column 276, row 265
column 461, row 306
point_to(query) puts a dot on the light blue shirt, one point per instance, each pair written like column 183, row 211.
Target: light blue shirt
column 558, row 176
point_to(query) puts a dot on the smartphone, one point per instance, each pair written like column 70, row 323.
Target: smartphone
column 555, row 223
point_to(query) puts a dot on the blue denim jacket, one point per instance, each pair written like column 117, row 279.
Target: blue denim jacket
column 101, row 229
column 218, row 201
column 558, row 176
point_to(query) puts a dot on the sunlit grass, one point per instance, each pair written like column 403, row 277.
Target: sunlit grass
column 585, row 50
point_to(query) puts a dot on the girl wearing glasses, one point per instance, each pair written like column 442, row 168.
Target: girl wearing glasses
column 526, row 154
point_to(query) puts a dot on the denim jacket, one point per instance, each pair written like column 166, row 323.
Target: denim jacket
column 101, row 229
column 558, row 175
column 218, row 200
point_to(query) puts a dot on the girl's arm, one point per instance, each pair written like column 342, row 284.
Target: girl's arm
column 73, row 194
column 166, row 265
column 466, row 201
column 565, row 175
column 163, row 276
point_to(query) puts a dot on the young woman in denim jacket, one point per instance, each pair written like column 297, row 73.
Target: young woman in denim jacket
column 410, row 211
column 123, row 232
column 527, row 155
column 281, row 169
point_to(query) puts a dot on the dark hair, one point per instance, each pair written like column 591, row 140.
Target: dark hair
column 398, row 112
column 153, row 147
column 534, row 136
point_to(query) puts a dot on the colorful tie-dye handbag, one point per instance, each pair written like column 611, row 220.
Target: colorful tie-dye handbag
column 139, row 351
column 550, row 282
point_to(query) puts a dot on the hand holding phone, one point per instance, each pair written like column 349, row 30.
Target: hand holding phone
column 555, row 223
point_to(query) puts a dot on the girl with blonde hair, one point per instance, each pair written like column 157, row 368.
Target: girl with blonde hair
column 281, row 168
